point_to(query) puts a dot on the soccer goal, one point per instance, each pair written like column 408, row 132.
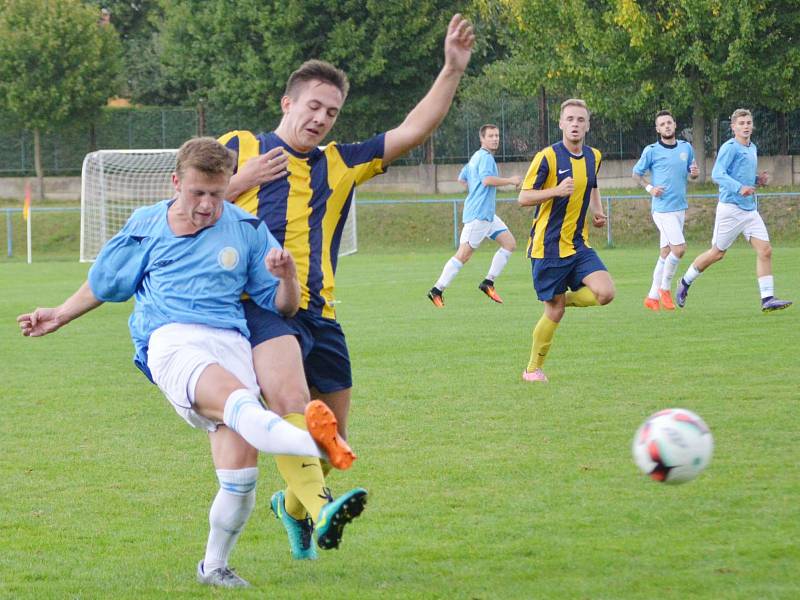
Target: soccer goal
column 114, row 183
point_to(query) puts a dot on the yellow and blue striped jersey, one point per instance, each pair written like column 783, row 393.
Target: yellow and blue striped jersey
column 560, row 227
column 306, row 211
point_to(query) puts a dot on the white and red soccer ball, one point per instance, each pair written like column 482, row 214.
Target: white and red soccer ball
column 673, row 446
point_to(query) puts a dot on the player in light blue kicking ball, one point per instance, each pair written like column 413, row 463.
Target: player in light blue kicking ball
column 187, row 261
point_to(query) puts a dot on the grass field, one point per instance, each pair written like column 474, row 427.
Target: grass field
column 481, row 486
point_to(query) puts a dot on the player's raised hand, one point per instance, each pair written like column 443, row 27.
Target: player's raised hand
column 458, row 43
column 38, row 323
column 694, row 170
column 566, row 187
column 281, row 263
column 763, row 178
column 264, row 168
column 657, row 191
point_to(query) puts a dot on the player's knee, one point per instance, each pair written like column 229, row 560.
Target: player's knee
column 679, row 251
column 605, row 295
column 288, row 400
column 510, row 246
column 765, row 252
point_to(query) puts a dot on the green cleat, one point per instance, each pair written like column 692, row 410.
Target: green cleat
column 299, row 532
column 336, row 514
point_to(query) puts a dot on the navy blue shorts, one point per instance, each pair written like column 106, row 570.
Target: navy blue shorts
column 552, row 276
column 325, row 356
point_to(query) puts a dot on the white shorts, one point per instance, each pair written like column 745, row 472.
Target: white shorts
column 732, row 220
column 670, row 225
column 179, row 353
column 474, row 232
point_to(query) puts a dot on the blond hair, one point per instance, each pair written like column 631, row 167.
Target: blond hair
column 574, row 102
column 740, row 112
column 206, row 155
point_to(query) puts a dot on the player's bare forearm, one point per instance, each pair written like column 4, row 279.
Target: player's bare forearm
column 494, row 181
column 280, row 263
column 640, row 180
column 596, row 206
column 47, row 320
column 425, row 117
column 536, row 197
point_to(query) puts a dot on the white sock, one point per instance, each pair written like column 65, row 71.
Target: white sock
column 670, row 266
column 766, row 285
column 451, row 269
column 657, row 275
column 498, row 263
column 691, row 274
column 263, row 429
column 229, row 513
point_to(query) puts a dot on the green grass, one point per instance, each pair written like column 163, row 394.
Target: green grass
column 481, row 486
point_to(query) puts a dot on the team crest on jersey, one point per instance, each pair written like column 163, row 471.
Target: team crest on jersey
column 684, row 156
column 228, row 258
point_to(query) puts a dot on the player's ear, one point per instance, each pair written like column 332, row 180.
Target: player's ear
column 286, row 102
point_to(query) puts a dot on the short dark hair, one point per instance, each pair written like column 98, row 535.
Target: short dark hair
column 664, row 113
column 482, row 130
column 206, row 155
column 317, row 70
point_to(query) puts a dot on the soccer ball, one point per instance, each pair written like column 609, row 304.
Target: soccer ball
column 673, row 446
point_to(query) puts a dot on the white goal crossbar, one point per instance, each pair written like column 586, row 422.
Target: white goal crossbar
column 114, row 183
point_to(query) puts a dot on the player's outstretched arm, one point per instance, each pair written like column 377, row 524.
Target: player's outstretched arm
column 281, row 264
column 426, row 116
column 497, row 181
column 47, row 320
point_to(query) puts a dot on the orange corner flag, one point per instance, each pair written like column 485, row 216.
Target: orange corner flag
column 26, row 206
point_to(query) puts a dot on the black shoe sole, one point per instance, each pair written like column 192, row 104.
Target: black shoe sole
column 346, row 513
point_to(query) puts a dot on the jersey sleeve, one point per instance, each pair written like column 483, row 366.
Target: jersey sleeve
column 120, row 266
column 243, row 143
column 598, row 162
column 487, row 167
column 462, row 176
column 691, row 158
column 365, row 158
column 261, row 285
column 721, row 167
column 645, row 162
column 537, row 173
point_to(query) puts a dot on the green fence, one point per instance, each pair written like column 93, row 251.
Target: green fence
column 457, row 138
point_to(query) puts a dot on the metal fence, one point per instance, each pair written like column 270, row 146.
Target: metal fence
column 454, row 142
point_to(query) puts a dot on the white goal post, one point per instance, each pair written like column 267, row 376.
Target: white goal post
column 114, row 183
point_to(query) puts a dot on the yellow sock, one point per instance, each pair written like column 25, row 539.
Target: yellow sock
column 305, row 482
column 542, row 338
column 583, row 297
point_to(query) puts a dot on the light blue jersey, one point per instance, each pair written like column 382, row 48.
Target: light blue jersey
column 669, row 169
column 195, row 278
column 735, row 167
column 481, row 199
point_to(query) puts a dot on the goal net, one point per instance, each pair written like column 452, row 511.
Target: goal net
column 114, row 183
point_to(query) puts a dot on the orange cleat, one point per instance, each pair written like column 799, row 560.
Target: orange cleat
column 666, row 299
column 652, row 304
column 487, row 287
column 435, row 296
column 322, row 426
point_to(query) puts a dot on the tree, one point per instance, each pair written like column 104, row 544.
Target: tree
column 628, row 57
column 239, row 60
column 56, row 65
